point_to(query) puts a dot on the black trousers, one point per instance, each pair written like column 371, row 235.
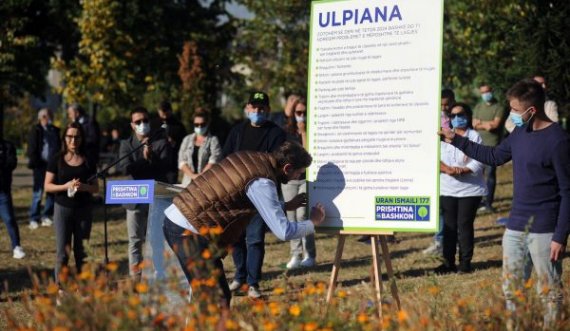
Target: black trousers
column 459, row 216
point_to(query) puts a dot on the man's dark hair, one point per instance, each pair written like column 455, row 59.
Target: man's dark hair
column 293, row 153
column 139, row 109
column 529, row 93
column 165, row 106
column 447, row 94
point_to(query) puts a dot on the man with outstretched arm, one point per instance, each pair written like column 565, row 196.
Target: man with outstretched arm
column 539, row 222
column 224, row 199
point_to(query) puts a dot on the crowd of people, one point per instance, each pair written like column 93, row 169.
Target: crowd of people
column 265, row 156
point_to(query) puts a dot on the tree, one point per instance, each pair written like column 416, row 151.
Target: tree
column 274, row 45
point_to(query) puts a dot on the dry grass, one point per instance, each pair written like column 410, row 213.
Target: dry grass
column 430, row 302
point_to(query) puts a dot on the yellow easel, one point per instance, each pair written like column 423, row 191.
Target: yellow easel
column 375, row 238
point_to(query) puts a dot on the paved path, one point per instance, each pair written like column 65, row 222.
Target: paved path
column 22, row 176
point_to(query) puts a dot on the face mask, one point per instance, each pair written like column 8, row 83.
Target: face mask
column 200, row 131
column 300, row 119
column 143, row 129
column 487, row 97
column 256, row 118
column 459, row 122
column 518, row 119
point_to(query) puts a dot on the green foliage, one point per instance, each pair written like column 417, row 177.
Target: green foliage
column 502, row 41
column 274, row 45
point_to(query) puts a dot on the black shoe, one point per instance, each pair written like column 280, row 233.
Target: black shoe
column 445, row 269
column 465, row 268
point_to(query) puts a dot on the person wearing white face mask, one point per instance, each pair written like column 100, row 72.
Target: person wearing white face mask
column 539, row 221
column 150, row 162
column 199, row 151
column 303, row 251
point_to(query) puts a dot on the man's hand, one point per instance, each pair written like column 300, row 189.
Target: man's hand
column 556, row 250
column 318, row 214
column 446, row 135
column 147, row 151
column 298, row 201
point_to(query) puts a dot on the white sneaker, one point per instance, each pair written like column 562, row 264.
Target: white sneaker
column 294, row 263
column 46, row 221
column 308, row 262
column 33, row 225
column 19, row 253
column 434, row 249
column 235, row 285
column 253, row 292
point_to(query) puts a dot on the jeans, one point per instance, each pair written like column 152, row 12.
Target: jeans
column 136, row 230
column 68, row 236
column 7, row 215
column 458, row 228
column 491, row 177
column 306, row 244
column 249, row 251
column 188, row 248
column 38, row 192
column 522, row 251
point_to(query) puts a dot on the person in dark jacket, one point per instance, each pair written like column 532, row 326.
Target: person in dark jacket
column 150, row 162
column 76, row 113
column 8, row 162
column 43, row 143
column 259, row 134
column 174, row 134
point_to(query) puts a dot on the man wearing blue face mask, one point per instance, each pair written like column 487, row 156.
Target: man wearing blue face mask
column 259, row 134
column 539, row 222
column 153, row 161
column 488, row 120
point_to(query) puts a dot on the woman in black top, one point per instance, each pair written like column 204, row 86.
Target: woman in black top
column 66, row 177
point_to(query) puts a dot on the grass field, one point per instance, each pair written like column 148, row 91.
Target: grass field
column 451, row 302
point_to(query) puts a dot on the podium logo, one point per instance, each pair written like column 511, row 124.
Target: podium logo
column 135, row 191
column 389, row 208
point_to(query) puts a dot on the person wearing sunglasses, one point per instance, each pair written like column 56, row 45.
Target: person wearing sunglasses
column 539, row 221
column 199, row 151
column 149, row 162
column 303, row 250
column 67, row 178
column 462, row 187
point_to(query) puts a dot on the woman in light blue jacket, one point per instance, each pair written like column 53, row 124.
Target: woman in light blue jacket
column 199, row 150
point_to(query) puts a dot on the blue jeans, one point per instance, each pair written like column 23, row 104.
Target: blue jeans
column 249, row 251
column 188, row 248
column 522, row 251
column 38, row 192
column 7, row 215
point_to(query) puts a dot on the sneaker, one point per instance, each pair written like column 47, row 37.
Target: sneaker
column 19, row 253
column 235, row 285
column 486, row 210
column 253, row 292
column 46, row 221
column 34, row 225
column 436, row 248
column 294, row 263
column 308, row 262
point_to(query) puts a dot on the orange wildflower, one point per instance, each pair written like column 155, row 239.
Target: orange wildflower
column 311, row 326
column 141, row 287
column 402, row 316
column 204, row 231
column 206, row 254
column 295, row 310
column 362, row 318
column 278, row 291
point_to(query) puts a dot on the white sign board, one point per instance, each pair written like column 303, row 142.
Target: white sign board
column 374, row 113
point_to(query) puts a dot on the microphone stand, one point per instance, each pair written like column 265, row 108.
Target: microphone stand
column 102, row 174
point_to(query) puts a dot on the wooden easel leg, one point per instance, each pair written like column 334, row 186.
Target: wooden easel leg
column 377, row 274
column 336, row 267
column 390, row 271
